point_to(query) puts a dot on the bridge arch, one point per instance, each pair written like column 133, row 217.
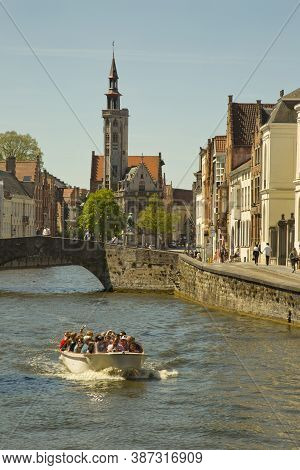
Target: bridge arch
column 39, row 251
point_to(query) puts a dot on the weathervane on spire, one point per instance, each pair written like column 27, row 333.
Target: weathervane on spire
column 113, row 45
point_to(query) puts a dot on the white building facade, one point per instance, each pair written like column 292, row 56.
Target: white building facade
column 279, row 167
column 17, row 209
column 239, row 212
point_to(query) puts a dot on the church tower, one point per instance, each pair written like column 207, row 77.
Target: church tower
column 115, row 129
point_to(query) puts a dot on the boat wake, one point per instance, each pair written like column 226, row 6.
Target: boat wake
column 42, row 364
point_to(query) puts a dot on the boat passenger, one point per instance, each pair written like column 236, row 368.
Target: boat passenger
column 86, row 343
column 73, row 341
column 135, row 347
column 110, row 334
column 63, row 343
column 122, row 345
column 112, row 346
column 78, row 347
column 88, row 336
column 100, row 345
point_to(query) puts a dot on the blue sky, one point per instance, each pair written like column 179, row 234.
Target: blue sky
column 177, row 62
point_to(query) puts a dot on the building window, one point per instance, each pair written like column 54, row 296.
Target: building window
column 107, row 138
column 142, row 186
column 115, row 137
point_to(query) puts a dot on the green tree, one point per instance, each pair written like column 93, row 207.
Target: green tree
column 101, row 215
column 155, row 219
column 21, row 146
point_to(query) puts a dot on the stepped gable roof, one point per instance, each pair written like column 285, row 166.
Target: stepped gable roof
column 25, row 170
column 58, row 182
column 12, row 185
column 220, row 143
column 243, row 123
column 97, row 171
column 152, row 162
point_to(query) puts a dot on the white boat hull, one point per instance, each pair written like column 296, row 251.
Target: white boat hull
column 78, row 363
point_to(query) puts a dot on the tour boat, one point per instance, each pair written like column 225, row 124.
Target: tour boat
column 78, row 363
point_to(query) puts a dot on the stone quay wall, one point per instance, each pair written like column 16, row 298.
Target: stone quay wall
column 138, row 269
column 236, row 293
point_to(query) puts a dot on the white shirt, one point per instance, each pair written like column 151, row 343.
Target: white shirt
column 268, row 250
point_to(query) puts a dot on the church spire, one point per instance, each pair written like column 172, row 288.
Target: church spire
column 113, row 74
column 115, row 130
column 113, row 95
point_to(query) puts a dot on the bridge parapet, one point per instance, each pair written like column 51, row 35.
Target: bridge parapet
column 118, row 267
column 39, row 251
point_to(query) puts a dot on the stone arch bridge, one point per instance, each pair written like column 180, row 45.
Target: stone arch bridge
column 117, row 267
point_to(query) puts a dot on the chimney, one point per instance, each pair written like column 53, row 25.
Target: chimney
column 230, row 98
column 11, row 165
column 281, row 93
column 159, row 154
column 258, row 101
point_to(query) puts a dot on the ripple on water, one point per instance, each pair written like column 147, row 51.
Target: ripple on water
column 196, row 389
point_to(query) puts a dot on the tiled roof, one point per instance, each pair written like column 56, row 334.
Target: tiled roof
column 152, row 162
column 220, row 143
column 23, row 169
column 11, row 184
column 243, row 122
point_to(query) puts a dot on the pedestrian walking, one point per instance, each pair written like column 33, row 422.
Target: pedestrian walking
column 267, row 251
column 222, row 254
column 293, row 259
column 256, row 252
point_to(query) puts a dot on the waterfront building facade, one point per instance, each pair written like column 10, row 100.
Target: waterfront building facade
column 17, row 208
column 297, row 180
column 45, row 189
column 261, row 119
column 279, row 158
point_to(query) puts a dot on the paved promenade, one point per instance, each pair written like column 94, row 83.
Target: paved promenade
column 276, row 276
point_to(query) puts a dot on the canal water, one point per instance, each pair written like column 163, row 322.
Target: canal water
column 211, row 380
